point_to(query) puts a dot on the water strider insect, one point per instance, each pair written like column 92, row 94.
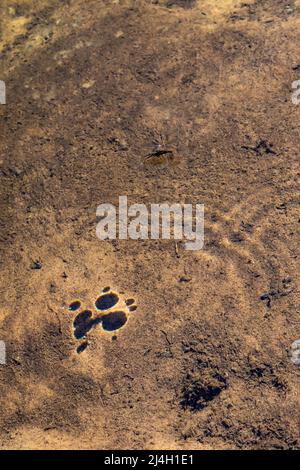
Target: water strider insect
column 161, row 155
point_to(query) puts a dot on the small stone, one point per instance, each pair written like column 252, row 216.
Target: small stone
column 185, row 279
column 236, row 237
column 15, row 171
column 52, row 288
column 36, row 265
column 88, row 84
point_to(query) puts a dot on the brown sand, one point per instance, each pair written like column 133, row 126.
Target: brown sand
column 92, row 87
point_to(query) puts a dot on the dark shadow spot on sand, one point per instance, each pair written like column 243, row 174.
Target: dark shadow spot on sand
column 106, row 301
column 132, row 308
column 82, row 318
column 82, row 347
column 83, row 323
column 198, row 393
column 74, row 305
column 180, row 3
column 113, row 321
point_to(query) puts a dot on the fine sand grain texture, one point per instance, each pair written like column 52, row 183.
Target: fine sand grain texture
column 142, row 344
